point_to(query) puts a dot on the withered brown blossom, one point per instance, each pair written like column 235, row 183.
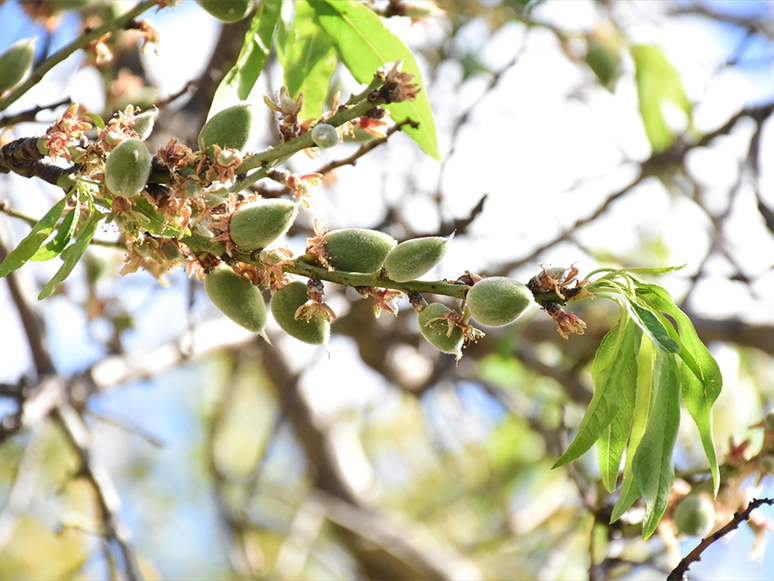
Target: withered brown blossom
column 386, row 300
column 99, row 51
column 150, row 36
column 315, row 246
column 566, row 323
column 301, row 185
column 397, row 86
column 287, row 110
column 176, row 155
column 65, row 132
column 273, row 261
column 314, row 307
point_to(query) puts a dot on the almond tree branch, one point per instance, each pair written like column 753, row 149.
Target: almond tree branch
column 80, row 42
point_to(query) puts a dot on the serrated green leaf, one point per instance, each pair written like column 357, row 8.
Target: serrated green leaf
column 240, row 79
column 612, row 442
column 700, row 377
column 62, row 238
column 72, row 254
column 309, row 62
column 29, row 246
column 610, row 370
column 646, row 358
column 652, row 326
column 364, row 44
column 658, row 85
column 653, row 469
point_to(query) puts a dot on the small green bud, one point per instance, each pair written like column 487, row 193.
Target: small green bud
column 284, row 304
column 127, row 168
column 143, row 123
column 228, row 129
column 16, row 62
column 325, row 135
column 237, row 298
column 498, row 301
column 226, row 157
column 357, row 249
column 435, row 329
column 227, row 10
column 257, row 224
column 768, row 421
column 695, row 515
column 411, row 259
column 113, row 138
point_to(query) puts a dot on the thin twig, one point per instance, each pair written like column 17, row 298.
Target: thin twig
column 678, row 573
column 30, row 114
column 366, row 147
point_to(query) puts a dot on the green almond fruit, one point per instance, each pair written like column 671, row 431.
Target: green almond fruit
column 257, row 224
column 695, row 515
column 127, row 168
column 411, row 259
column 325, row 135
column 357, row 249
column 227, row 10
column 237, row 298
column 498, row 301
column 16, row 62
column 228, row 129
column 284, row 305
column 436, row 331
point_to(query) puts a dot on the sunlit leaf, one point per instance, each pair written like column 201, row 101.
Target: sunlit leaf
column 310, row 61
column 29, row 246
column 62, row 238
column 610, row 370
column 646, row 358
column 72, row 254
column 653, row 469
column 658, row 86
column 364, row 44
column 612, row 442
column 240, row 79
column 652, row 326
column 701, row 381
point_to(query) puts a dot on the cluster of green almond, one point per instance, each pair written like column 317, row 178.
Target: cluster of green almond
column 493, row 302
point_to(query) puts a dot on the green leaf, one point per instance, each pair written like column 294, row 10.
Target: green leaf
column 652, row 326
column 29, row 246
column 612, row 442
column 155, row 221
column 700, row 376
column 241, row 78
column 658, row 85
column 653, row 469
column 62, row 238
column 309, row 62
column 610, row 371
column 72, row 254
column 98, row 121
column 643, row 406
column 364, row 44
